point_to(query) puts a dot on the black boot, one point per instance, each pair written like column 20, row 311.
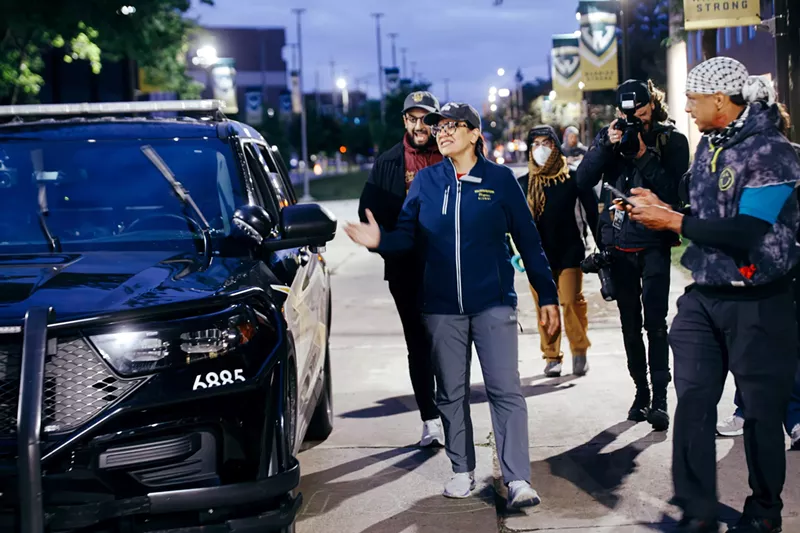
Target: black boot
column 641, row 404
column 658, row 417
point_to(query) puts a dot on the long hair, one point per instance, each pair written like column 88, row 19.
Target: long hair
column 659, row 101
column 786, row 121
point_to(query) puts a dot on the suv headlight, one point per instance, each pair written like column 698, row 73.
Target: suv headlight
column 145, row 349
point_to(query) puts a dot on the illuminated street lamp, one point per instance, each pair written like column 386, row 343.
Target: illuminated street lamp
column 501, row 72
column 492, row 98
column 503, row 93
column 492, row 90
column 493, row 107
column 341, row 83
column 205, row 56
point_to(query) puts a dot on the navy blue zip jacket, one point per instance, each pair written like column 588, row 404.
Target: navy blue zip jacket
column 460, row 227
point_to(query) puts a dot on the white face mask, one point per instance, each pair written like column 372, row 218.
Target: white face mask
column 541, row 154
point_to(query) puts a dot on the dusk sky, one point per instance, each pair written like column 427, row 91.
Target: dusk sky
column 463, row 40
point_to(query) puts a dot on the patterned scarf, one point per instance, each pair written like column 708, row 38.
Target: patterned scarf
column 719, row 138
column 555, row 170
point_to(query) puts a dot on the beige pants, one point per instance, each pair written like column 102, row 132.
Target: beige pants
column 570, row 294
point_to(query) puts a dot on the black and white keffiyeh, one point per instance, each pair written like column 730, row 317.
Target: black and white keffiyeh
column 728, row 76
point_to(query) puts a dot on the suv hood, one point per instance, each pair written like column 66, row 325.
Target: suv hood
column 82, row 285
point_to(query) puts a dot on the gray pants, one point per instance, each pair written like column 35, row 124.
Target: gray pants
column 494, row 333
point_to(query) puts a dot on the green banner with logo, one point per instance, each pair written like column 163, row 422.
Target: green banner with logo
column 566, row 68
column 598, row 44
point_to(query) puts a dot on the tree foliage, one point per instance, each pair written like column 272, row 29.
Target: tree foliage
column 155, row 36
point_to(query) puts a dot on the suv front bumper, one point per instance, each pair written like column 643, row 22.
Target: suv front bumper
column 234, row 507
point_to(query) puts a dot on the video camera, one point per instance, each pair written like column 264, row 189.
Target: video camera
column 630, row 126
column 600, row 264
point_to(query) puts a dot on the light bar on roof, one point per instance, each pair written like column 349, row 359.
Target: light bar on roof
column 112, row 107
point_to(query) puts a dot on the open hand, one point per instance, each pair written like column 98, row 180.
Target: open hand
column 551, row 319
column 367, row 235
column 646, row 197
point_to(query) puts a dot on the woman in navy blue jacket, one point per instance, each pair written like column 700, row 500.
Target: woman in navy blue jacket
column 458, row 214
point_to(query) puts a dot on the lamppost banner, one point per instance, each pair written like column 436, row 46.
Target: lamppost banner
column 708, row 14
column 598, row 44
column 223, row 83
column 566, row 67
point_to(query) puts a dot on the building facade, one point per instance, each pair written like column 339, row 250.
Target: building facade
column 258, row 60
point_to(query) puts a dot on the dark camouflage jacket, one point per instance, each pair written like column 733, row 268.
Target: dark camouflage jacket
column 757, row 156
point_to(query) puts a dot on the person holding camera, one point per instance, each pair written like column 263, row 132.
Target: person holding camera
column 641, row 149
column 552, row 193
column 742, row 217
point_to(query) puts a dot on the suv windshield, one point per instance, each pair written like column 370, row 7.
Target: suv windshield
column 107, row 194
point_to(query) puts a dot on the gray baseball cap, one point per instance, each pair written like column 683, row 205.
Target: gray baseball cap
column 423, row 100
column 455, row 111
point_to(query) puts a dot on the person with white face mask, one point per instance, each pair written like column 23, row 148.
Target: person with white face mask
column 552, row 192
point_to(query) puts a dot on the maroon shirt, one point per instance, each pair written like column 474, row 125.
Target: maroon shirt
column 418, row 158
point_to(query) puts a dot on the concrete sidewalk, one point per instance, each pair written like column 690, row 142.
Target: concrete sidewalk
column 595, row 471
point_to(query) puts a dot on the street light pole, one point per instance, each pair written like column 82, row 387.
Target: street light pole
column 303, row 119
column 403, row 52
column 624, row 27
column 393, row 36
column 380, row 65
column 447, row 89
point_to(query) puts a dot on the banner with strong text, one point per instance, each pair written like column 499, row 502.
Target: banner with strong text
column 598, row 44
column 708, row 14
column 566, row 68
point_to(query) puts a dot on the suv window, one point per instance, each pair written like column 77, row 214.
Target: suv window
column 279, row 178
column 106, row 193
column 259, row 173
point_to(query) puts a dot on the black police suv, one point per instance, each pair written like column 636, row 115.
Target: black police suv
column 164, row 318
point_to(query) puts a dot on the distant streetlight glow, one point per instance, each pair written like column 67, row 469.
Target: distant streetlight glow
column 501, row 72
column 341, row 83
column 492, row 90
column 577, row 16
column 503, row 93
column 205, row 56
column 493, row 107
column 492, row 98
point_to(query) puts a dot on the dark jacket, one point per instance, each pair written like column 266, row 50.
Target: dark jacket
column 561, row 237
column 757, row 156
column 384, row 194
column 460, row 228
column 660, row 170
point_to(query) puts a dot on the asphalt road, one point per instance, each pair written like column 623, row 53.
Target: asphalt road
column 595, row 471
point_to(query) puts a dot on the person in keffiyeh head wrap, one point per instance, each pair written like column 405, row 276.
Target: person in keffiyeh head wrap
column 741, row 216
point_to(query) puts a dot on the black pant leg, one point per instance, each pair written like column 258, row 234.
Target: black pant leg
column 627, row 277
column 700, row 355
column 762, row 341
column 656, row 269
column 405, row 292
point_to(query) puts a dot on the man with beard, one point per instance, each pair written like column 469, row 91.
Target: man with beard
column 641, row 149
column 384, row 194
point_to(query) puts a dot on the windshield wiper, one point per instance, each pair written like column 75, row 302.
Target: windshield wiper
column 183, row 195
column 38, row 164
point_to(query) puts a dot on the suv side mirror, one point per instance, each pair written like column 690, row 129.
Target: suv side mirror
column 255, row 223
column 304, row 225
column 301, row 225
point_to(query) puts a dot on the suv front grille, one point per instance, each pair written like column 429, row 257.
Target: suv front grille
column 77, row 386
column 10, row 365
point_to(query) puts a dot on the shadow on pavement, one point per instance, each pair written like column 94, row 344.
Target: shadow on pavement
column 403, row 404
column 328, row 493
column 597, row 474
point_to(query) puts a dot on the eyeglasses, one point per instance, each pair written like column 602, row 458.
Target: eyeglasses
column 448, row 128
column 411, row 119
column 548, row 143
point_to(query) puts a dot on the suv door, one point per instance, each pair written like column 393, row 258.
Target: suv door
column 301, row 270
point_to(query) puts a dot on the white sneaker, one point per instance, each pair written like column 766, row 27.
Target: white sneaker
column 733, row 426
column 521, row 494
column 432, row 433
column 460, row 485
column 796, row 437
column 552, row 369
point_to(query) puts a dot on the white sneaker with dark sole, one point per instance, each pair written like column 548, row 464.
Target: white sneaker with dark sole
column 521, row 494
column 432, row 434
